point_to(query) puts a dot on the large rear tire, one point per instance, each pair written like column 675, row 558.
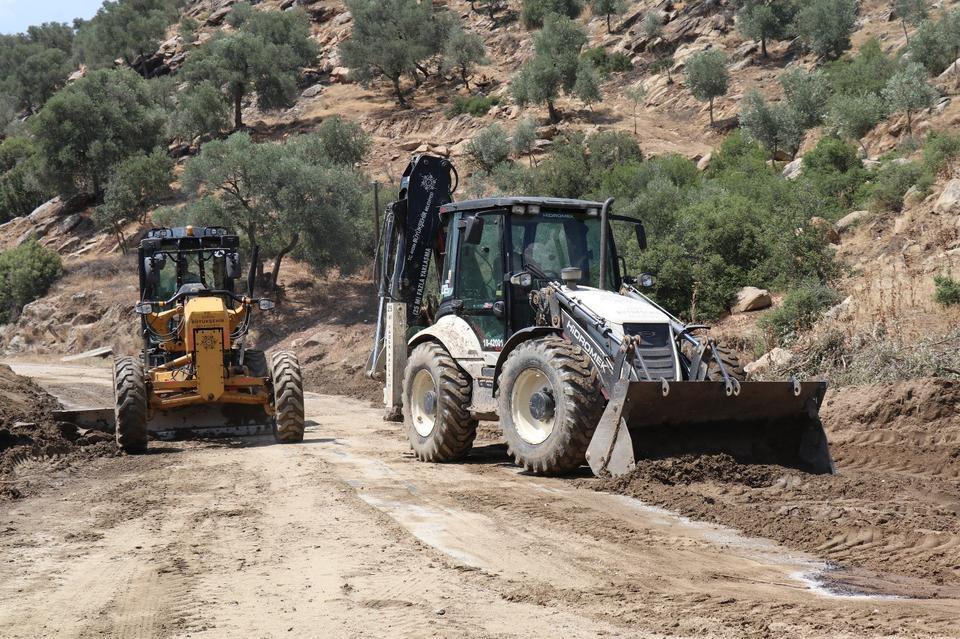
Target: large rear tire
column 711, row 370
column 130, row 409
column 287, row 379
column 550, row 403
column 436, row 397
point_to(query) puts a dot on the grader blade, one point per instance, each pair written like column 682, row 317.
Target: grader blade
column 210, row 420
column 754, row 422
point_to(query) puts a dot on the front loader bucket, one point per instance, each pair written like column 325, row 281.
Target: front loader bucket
column 754, row 422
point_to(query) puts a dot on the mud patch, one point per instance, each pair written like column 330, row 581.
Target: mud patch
column 30, row 439
column 890, row 515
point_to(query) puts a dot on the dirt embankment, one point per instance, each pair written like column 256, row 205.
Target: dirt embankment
column 29, row 434
column 893, row 506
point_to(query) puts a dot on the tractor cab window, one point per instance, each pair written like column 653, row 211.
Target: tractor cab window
column 481, row 267
column 546, row 243
column 203, row 267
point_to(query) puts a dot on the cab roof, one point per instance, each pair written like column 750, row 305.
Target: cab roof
column 489, row 203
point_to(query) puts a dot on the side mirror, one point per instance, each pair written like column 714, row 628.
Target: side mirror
column 233, row 266
column 642, row 237
column 266, row 305
column 472, row 229
column 152, row 266
column 143, row 308
column 646, row 280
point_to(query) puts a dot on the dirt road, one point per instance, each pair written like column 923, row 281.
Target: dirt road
column 347, row 535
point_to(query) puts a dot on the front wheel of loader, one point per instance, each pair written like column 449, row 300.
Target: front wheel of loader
column 549, row 405
column 287, row 379
column 436, row 397
column 130, row 409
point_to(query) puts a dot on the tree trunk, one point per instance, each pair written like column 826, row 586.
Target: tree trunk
column 763, row 47
column 275, row 276
column 903, row 23
column 425, row 73
column 237, row 110
column 396, row 89
column 554, row 116
column 909, row 124
column 463, row 75
column 608, row 24
column 121, row 240
column 634, row 119
column 711, row 111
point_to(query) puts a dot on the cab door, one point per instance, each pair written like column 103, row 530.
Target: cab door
column 478, row 279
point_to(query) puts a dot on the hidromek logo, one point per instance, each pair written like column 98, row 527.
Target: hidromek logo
column 582, row 340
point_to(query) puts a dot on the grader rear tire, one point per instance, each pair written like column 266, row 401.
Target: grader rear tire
column 436, row 394
column 288, row 398
column 130, row 409
column 549, row 405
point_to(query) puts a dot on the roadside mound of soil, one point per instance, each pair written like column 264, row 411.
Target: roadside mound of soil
column 892, row 507
column 29, row 432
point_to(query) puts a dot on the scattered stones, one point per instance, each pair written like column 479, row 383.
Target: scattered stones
column 752, row 299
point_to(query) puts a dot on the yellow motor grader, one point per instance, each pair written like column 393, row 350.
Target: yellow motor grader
column 194, row 372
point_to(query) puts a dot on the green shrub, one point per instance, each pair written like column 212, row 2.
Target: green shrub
column 607, row 63
column 893, row 180
column 475, row 105
column 799, row 311
column 947, row 290
column 866, row 72
column 26, row 273
column 489, row 148
column 834, row 170
column 20, row 188
column 939, row 149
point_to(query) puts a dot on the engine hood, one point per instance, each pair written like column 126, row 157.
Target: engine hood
column 615, row 308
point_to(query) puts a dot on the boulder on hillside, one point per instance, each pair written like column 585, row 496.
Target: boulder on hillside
column 777, row 358
column 751, row 298
column 704, row 162
column 950, row 198
column 824, row 226
column 851, row 219
column 793, row 170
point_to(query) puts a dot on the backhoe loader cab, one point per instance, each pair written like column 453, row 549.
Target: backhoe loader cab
column 536, row 324
column 195, row 373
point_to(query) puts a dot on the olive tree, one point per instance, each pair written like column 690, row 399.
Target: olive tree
column 524, row 139
column 775, row 127
column 296, row 196
column 825, row 26
column 462, row 52
column 636, row 94
column 94, row 123
column 608, row 8
column 389, row 38
column 534, row 13
column 556, row 66
column 807, row 93
column 126, row 29
column 910, row 12
column 908, row 91
column 136, row 184
column 765, row 20
column 853, row 116
column 707, row 76
column 263, row 55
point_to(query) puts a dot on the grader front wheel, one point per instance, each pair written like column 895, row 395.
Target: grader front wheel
column 130, row 408
column 288, row 398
